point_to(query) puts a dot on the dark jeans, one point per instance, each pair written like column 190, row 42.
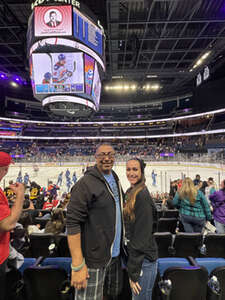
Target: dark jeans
column 192, row 224
column 146, row 280
column 2, row 279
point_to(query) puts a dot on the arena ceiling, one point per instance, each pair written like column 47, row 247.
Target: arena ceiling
column 147, row 41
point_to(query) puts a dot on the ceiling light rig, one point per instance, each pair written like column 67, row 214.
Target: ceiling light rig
column 150, row 87
column 200, row 61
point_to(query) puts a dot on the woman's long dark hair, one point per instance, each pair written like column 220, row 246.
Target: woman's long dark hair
column 57, row 223
column 131, row 194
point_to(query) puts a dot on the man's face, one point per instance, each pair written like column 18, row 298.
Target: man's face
column 3, row 171
column 105, row 157
column 53, row 17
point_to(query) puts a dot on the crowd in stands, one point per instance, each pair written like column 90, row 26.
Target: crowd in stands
column 56, row 151
column 45, row 204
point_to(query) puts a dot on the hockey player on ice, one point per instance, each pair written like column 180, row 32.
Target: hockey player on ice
column 61, row 73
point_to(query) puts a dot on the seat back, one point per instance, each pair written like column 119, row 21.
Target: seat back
column 189, row 283
column 42, row 283
column 39, row 244
column 210, row 263
column 167, row 225
column 170, row 213
column 41, row 221
column 215, row 245
column 219, row 272
column 14, row 285
column 60, row 262
column 187, row 244
column 164, row 242
column 62, row 245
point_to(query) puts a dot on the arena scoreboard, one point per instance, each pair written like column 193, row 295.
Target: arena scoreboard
column 66, row 52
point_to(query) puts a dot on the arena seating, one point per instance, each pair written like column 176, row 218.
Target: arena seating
column 46, row 282
column 39, row 244
column 164, row 242
column 215, row 245
column 187, row 244
column 167, row 224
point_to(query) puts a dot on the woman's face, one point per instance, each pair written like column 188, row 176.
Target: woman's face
column 133, row 171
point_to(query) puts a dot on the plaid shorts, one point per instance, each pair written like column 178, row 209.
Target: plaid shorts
column 109, row 280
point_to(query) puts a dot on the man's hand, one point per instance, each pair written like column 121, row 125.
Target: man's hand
column 18, row 189
column 79, row 278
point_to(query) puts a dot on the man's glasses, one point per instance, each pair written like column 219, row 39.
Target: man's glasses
column 103, row 155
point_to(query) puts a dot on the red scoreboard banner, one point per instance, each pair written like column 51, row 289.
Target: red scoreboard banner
column 53, row 21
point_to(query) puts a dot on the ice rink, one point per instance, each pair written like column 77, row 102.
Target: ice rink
column 166, row 171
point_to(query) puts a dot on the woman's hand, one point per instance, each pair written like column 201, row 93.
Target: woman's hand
column 135, row 287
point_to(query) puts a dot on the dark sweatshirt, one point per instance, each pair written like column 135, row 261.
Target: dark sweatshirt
column 141, row 242
column 92, row 212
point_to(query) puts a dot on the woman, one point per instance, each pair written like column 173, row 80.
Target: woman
column 218, row 203
column 139, row 211
column 193, row 206
column 57, row 223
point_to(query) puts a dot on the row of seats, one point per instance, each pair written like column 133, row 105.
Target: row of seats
column 47, row 244
column 177, row 278
column 190, row 244
column 179, row 245
column 189, row 279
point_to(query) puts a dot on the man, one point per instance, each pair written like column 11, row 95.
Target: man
column 53, row 22
column 26, row 179
column 8, row 217
column 9, row 194
column 197, row 179
column 94, row 227
column 59, row 180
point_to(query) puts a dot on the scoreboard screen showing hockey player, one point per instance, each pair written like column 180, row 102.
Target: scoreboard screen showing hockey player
column 66, row 53
column 58, row 73
column 65, row 73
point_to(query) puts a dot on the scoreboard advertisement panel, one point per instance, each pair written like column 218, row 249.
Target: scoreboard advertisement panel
column 53, row 21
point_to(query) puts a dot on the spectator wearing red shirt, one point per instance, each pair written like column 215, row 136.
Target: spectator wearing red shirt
column 8, row 217
column 50, row 203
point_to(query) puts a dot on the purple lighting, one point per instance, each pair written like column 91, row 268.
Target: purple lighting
column 3, row 76
column 17, row 79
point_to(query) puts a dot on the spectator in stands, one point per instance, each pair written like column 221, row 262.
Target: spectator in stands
column 173, row 188
column 210, row 189
column 65, row 201
column 202, row 186
column 94, row 228
column 197, row 179
column 8, row 217
column 193, row 206
column 139, row 213
column 50, row 203
column 28, row 224
column 218, row 203
column 57, row 223
column 34, row 192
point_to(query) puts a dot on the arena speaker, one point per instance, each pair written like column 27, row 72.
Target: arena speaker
column 66, row 52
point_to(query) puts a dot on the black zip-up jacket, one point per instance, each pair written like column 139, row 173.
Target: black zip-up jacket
column 141, row 242
column 92, row 212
